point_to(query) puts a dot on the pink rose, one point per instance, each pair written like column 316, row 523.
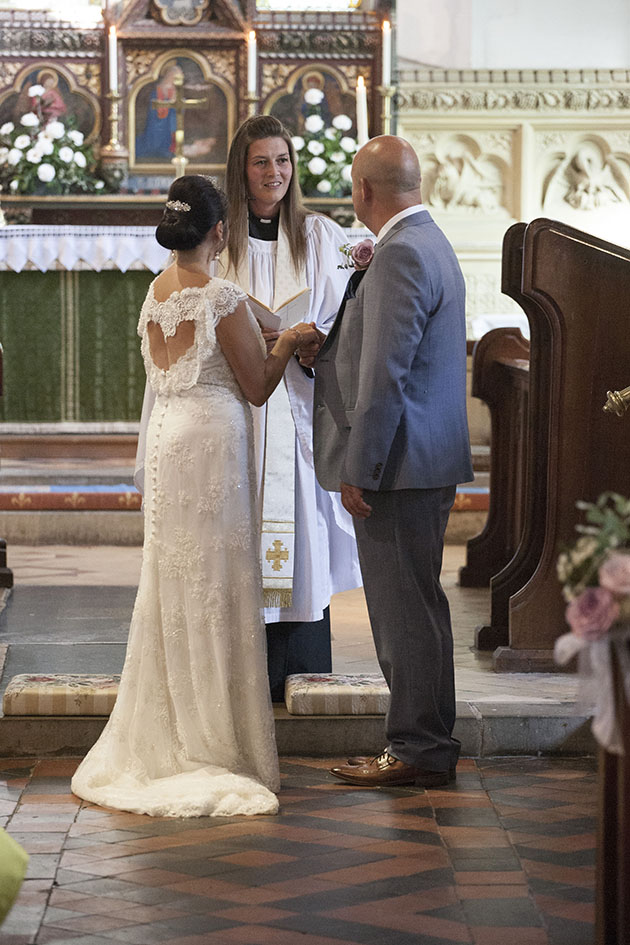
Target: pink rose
column 614, row 573
column 591, row 615
column 362, row 253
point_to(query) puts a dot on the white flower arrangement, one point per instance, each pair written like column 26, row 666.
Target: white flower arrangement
column 39, row 156
column 324, row 153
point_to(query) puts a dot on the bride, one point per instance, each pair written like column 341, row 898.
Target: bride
column 192, row 730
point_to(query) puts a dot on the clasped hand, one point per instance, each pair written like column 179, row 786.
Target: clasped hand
column 310, row 342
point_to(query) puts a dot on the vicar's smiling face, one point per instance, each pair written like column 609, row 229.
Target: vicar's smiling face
column 268, row 171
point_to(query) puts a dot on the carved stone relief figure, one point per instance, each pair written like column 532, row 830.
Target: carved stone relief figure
column 457, row 176
column 588, row 177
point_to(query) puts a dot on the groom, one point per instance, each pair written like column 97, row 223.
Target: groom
column 390, row 433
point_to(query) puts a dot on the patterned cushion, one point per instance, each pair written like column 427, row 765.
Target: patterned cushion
column 60, row 695
column 333, row 694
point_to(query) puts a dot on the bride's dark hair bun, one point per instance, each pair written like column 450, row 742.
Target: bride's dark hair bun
column 194, row 205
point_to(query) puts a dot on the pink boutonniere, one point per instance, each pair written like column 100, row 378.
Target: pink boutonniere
column 358, row 256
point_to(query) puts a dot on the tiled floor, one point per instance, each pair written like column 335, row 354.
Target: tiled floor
column 504, row 856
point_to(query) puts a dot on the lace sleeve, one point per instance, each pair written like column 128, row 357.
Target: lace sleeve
column 221, row 300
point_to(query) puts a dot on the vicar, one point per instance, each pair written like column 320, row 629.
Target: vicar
column 391, row 434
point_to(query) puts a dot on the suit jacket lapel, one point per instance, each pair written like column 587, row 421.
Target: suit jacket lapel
column 350, row 293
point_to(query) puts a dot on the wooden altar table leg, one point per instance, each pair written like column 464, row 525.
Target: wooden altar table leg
column 6, row 574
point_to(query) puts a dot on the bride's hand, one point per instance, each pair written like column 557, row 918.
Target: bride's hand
column 303, row 335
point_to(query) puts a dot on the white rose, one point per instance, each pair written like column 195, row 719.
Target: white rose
column 313, row 96
column 338, row 157
column 55, row 129
column 324, row 186
column 346, row 174
column 14, row 156
column 4, row 153
column 317, row 166
column 348, row 144
column 46, row 172
column 30, row 120
column 330, row 133
column 22, row 141
column 34, row 156
column 35, row 91
column 315, row 147
column 66, row 154
column 342, row 122
column 79, row 159
column 44, row 144
column 314, row 123
column 298, row 142
column 99, row 184
column 14, row 185
column 76, row 137
column 7, row 128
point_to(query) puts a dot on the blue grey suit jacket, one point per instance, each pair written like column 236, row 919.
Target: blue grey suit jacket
column 390, row 379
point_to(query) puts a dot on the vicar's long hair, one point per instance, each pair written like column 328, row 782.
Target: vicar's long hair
column 293, row 210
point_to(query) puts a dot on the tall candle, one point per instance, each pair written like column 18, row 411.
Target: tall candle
column 387, row 53
column 113, row 60
column 252, row 83
column 362, row 116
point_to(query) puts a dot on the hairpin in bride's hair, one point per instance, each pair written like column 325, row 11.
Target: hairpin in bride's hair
column 177, row 205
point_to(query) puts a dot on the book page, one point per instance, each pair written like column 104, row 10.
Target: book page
column 293, row 310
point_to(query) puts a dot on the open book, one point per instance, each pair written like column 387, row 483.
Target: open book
column 291, row 311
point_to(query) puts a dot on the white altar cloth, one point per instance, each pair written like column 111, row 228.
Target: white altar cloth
column 47, row 248
column 69, row 248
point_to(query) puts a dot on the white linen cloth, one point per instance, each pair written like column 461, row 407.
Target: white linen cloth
column 192, row 729
column 80, row 247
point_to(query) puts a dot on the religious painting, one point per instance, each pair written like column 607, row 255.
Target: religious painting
column 60, row 101
column 292, row 107
column 206, row 111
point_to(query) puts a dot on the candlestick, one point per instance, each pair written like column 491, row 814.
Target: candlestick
column 252, row 78
column 113, row 60
column 362, row 116
column 387, row 53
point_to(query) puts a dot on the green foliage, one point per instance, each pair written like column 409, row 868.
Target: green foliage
column 607, row 529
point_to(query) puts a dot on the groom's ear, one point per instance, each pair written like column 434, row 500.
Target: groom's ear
column 365, row 188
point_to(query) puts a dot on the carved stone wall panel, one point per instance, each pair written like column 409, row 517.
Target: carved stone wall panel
column 466, row 173
column 500, row 146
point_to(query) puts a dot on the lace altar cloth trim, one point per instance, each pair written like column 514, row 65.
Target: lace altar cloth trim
column 90, row 247
column 60, row 695
column 80, row 247
column 334, row 694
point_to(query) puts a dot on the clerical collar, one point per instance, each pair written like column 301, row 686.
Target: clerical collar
column 263, row 229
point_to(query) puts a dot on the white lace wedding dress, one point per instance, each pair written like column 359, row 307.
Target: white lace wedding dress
column 192, row 730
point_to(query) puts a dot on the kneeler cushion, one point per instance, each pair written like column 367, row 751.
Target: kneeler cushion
column 60, row 694
column 334, row 694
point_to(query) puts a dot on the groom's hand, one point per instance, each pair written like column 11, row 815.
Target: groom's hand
column 353, row 502
column 308, row 353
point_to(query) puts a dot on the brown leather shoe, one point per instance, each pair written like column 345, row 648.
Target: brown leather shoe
column 355, row 760
column 385, row 770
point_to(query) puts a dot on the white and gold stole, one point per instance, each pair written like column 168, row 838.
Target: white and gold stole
column 278, row 448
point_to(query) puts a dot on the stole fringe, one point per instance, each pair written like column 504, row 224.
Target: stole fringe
column 277, row 597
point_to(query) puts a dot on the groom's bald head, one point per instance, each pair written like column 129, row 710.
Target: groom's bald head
column 390, row 164
column 385, row 179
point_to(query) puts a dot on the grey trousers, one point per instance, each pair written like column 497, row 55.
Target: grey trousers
column 400, row 552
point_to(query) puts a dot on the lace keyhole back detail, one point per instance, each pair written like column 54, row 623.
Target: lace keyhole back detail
column 167, row 350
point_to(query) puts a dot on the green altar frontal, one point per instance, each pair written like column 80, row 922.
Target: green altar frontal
column 70, row 299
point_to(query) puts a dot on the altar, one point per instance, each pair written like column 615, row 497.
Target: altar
column 70, row 299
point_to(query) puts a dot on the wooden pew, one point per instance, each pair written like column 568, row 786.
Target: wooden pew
column 574, row 289
column 500, row 377
column 612, row 903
